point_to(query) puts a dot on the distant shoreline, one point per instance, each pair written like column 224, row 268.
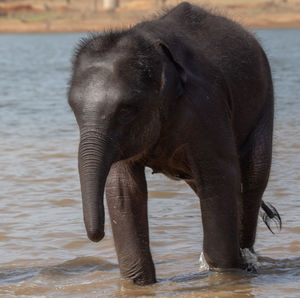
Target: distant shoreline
column 256, row 14
column 99, row 27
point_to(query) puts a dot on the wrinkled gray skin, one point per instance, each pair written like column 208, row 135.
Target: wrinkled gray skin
column 189, row 95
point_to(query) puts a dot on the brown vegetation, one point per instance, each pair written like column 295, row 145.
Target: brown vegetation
column 89, row 15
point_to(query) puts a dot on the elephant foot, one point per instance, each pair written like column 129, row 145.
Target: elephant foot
column 250, row 262
column 140, row 281
column 141, row 278
column 203, row 266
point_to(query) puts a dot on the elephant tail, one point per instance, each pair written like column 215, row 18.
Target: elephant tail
column 271, row 214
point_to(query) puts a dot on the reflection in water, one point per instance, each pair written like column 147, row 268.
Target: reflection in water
column 43, row 247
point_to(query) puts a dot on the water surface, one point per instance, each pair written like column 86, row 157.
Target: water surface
column 44, row 250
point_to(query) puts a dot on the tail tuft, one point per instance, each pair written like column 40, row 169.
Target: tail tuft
column 270, row 215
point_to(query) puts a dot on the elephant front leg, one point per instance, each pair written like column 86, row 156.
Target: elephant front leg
column 126, row 193
column 217, row 183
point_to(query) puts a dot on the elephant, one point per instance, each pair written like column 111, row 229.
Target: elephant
column 188, row 94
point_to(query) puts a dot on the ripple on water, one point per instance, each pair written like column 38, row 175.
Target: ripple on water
column 64, row 202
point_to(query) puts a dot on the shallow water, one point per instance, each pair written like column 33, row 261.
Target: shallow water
column 44, row 250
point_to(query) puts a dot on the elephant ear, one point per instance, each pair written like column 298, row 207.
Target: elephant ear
column 187, row 69
column 169, row 75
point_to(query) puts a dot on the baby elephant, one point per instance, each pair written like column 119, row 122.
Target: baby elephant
column 188, row 94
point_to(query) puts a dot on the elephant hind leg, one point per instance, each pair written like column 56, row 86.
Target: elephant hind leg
column 255, row 161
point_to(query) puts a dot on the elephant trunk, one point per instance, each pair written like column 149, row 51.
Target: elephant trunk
column 94, row 160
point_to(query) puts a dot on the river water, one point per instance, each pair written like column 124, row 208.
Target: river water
column 44, row 250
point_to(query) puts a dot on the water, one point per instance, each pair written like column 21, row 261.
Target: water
column 44, row 250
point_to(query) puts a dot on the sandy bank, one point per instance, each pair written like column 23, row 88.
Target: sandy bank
column 81, row 16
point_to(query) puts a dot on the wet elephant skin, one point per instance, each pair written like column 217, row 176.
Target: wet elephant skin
column 188, row 94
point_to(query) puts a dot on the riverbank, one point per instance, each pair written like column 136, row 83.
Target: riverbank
column 37, row 16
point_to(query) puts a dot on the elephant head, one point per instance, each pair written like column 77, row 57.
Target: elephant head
column 121, row 89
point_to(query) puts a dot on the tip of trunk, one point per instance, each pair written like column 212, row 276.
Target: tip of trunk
column 94, row 220
column 96, row 236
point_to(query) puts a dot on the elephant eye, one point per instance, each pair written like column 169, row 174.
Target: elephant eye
column 127, row 114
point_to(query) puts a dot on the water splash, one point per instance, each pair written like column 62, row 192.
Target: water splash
column 250, row 260
column 203, row 264
column 249, row 256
